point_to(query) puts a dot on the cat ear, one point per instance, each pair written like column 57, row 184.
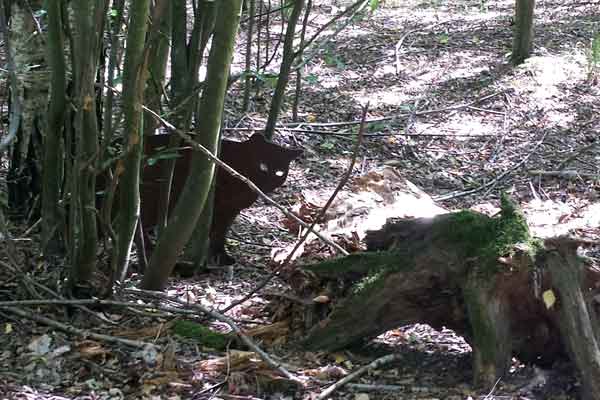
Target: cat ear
column 257, row 137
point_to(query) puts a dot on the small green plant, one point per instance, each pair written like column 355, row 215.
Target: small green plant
column 332, row 59
column 328, row 145
column 267, row 80
column 594, row 56
column 312, row 79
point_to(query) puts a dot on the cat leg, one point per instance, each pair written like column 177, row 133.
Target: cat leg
column 220, row 226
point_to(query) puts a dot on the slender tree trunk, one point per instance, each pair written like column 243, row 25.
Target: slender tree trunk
column 179, row 92
column 185, row 61
column 523, row 31
column 89, row 23
column 190, row 204
column 298, row 90
column 284, row 72
column 105, row 217
column 249, row 34
column 29, row 94
column 52, row 170
column 107, row 118
column 134, row 80
column 157, row 62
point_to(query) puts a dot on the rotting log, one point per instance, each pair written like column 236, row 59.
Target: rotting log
column 482, row 277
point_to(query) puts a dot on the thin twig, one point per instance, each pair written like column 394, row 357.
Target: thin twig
column 365, row 387
column 375, row 364
column 396, row 116
column 198, row 147
column 578, row 152
column 403, row 38
column 75, row 331
column 310, row 229
column 494, row 181
column 92, row 302
column 566, row 174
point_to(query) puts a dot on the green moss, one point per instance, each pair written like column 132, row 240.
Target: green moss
column 358, row 263
column 370, row 281
column 486, row 238
column 201, row 334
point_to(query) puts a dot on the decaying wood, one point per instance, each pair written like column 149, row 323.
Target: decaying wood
column 482, row 277
column 578, row 319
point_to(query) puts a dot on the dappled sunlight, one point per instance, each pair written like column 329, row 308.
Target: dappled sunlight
column 392, row 96
column 549, row 72
column 462, row 126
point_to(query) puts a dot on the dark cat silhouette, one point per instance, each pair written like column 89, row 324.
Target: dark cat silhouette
column 263, row 162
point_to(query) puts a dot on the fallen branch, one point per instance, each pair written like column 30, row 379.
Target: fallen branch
column 361, row 371
column 399, row 115
column 76, row 331
column 495, row 181
column 566, row 174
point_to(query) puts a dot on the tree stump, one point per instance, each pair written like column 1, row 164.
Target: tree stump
column 482, row 277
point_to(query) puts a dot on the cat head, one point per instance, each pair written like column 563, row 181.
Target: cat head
column 272, row 160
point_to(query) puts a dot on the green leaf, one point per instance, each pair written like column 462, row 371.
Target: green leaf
column 443, row 38
column 311, row 78
column 327, row 145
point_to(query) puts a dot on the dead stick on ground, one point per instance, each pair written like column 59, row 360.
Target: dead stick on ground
column 395, row 116
column 377, row 363
column 223, row 318
column 311, row 228
column 97, row 302
column 495, row 181
column 198, row 147
column 76, row 331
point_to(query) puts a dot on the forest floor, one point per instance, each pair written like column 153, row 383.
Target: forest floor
column 450, row 114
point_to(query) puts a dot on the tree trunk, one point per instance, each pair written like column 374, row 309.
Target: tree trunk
column 29, row 93
column 134, row 80
column 289, row 56
column 523, row 30
column 52, row 214
column 157, row 63
column 88, row 27
column 190, row 204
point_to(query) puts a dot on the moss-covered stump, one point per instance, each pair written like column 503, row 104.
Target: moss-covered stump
column 480, row 276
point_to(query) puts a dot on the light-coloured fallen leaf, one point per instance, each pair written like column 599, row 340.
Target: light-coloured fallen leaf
column 549, row 298
column 322, row 299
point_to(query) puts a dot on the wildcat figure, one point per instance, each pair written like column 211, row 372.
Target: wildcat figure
column 265, row 163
